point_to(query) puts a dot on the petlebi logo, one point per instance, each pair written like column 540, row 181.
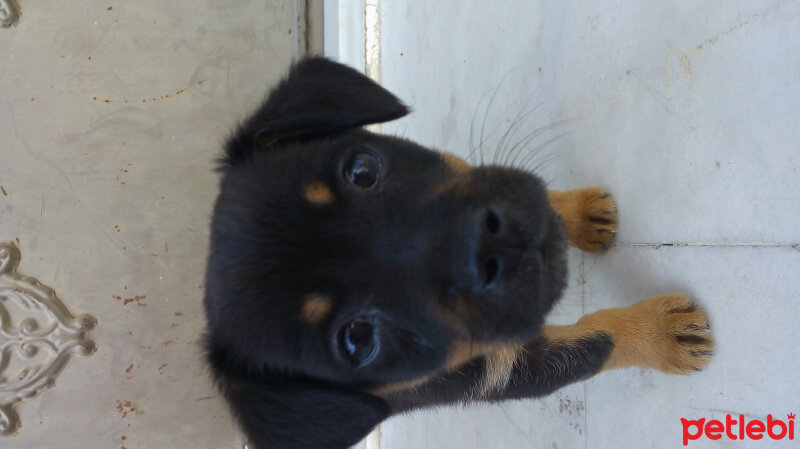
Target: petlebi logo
column 738, row 428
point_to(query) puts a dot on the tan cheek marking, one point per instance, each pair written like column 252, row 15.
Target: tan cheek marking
column 500, row 361
column 388, row 388
column 455, row 318
column 318, row 193
column 462, row 352
column 455, row 163
column 315, row 309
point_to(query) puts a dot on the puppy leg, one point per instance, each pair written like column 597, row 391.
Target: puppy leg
column 590, row 215
column 668, row 333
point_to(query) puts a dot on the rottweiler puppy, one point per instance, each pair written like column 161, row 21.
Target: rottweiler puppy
column 353, row 276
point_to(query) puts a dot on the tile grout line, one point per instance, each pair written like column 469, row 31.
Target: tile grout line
column 792, row 245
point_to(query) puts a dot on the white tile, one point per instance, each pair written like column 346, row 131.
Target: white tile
column 688, row 111
column 556, row 421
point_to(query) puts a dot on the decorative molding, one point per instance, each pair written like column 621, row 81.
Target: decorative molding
column 9, row 13
column 38, row 336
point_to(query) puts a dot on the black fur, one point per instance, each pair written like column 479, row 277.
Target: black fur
column 545, row 367
column 341, row 102
column 282, row 412
column 428, row 257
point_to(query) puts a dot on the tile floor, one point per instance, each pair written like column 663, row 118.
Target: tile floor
column 111, row 117
column 689, row 113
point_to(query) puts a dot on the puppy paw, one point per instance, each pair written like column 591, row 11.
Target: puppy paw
column 590, row 215
column 599, row 220
column 676, row 333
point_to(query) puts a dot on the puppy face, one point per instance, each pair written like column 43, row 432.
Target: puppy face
column 360, row 258
column 349, row 258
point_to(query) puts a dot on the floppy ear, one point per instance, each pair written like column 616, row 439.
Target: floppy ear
column 292, row 414
column 318, row 96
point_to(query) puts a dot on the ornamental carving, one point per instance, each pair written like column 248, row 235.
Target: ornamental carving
column 38, row 336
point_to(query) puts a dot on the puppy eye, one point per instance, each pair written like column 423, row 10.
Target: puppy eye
column 363, row 170
column 357, row 342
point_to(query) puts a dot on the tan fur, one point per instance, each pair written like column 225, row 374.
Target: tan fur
column 590, row 215
column 667, row 333
column 393, row 387
column 500, row 361
column 315, row 309
column 318, row 193
column 461, row 352
column 454, row 317
column 455, row 163
column 499, row 365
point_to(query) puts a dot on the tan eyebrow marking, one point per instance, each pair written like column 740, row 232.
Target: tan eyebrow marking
column 315, row 309
column 318, row 193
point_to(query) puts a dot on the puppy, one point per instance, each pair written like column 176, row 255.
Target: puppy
column 353, row 276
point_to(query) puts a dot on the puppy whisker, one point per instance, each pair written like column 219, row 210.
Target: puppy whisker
column 544, row 163
column 528, row 138
column 524, row 163
column 483, row 136
column 514, row 127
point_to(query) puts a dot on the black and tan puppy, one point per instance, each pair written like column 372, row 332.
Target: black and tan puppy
column 353, row 276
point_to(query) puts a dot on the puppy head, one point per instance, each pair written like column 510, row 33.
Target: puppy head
column 354, row 260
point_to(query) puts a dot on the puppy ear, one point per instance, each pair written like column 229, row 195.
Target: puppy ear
column 318, row 96
column 293, row 414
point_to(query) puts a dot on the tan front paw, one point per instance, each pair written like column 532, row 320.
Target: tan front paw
column 590, row 215
column 675, row 333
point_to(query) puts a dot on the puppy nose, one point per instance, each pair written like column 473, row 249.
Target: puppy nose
column 499, row 248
